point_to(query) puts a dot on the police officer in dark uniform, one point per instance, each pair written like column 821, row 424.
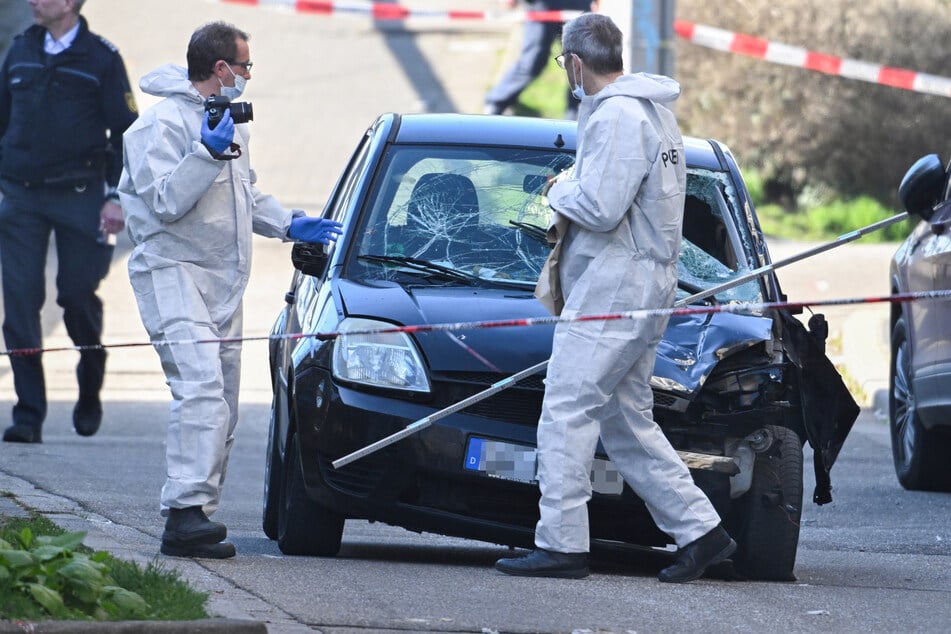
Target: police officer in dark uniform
column 537, row 39
column 65, row 101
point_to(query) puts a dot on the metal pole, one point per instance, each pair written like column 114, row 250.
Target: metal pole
column 423, row 423
column 668, row 56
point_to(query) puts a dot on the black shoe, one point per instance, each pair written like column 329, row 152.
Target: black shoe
column 200, row 551
column 190, row 527
column 694, row 558
column 87, row 416
column 22, row 433
column 546, row 563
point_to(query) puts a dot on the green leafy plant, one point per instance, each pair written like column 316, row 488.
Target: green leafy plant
column 32, row 589
column 62, row 582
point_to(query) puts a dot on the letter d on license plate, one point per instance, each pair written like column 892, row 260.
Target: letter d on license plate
column 501, row 459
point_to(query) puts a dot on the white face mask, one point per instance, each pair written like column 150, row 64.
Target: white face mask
column 578, row 91
column 233, row 92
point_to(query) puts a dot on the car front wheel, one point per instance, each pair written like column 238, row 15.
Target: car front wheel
column 767, row 530
column 304, row 527
column 920, row 455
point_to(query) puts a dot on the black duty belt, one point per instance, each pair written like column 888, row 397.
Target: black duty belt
column 77, row 181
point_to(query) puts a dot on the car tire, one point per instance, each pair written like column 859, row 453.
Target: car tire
column 273, row 471
column 919, row 454
column 304, row 527
column 768, row 531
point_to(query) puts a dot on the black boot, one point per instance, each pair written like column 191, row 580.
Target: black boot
column 694, row 558
column 189, row 533
column 18, row 432
column 546, row 563
column 87, row 415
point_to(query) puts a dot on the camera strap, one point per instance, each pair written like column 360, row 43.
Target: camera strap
column 234, row 147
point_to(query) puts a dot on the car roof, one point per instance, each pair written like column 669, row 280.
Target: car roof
column 473, row 129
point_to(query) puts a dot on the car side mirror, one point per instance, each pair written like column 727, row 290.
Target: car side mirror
column 309, row 258
column 922, row 186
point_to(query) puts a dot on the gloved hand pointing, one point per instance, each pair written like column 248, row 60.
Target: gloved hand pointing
column 219, row 139
column 319, row 230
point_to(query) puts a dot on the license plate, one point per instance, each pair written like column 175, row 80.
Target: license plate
column 519, row 463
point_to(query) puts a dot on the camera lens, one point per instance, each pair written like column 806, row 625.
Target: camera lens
column 241, row 112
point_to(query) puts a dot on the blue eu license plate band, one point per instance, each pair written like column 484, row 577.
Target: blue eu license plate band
column 519, row 463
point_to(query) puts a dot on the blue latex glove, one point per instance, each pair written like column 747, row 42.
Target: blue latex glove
column 319, row 230
column 218, row 139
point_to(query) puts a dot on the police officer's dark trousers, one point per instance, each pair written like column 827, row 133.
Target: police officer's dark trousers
column 28, row 215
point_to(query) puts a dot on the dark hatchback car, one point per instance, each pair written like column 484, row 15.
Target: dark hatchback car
column 445, row 223
column 920, row 376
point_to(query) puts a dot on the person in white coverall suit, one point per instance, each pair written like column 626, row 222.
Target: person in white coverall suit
column 624, row 207
column 190, row 204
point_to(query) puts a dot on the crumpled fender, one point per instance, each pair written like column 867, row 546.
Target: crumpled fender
column 693, row 344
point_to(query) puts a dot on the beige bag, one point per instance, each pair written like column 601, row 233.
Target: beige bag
column 548, row 287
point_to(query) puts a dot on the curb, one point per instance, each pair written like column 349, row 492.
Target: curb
column 209, row 626
column 233, row 609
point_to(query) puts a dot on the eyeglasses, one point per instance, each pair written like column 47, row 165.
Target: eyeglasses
column 244, row 65
column 560, row 59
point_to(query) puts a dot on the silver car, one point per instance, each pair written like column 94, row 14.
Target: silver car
column 920, row 376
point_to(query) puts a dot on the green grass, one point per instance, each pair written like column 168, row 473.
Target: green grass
column 830, row 220
column 166, row 595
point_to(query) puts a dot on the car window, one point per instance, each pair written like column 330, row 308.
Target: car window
column 475, row 215
column 714, row 249
column 474, row 211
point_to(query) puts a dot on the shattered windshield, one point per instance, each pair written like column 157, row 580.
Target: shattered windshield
column 713, row 250
column 460, row 215
column 475, row 216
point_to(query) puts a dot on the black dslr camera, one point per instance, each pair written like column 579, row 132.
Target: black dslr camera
column 216, row 105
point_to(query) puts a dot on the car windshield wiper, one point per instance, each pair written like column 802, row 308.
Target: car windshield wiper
column 425, row 266
column 532, row 231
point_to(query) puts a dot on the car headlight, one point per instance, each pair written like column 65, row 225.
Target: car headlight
column 388, row 360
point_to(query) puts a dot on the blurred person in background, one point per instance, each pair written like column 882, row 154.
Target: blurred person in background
column 65, row 101
column 537, row 39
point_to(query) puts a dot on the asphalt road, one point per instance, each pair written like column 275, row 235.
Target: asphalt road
column 876, row 559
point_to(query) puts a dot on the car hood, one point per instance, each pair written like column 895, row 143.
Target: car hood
column 691, row 348
column 504, row 350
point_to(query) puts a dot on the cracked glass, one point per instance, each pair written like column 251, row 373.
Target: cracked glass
column 453, row 215
column 477, row 216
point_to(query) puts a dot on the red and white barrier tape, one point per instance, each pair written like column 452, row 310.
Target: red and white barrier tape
column 778, row 53
column 897, row 298
column 385, row 11
column 699, row 34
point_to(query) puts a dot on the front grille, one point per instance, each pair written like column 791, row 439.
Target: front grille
column 521, row 403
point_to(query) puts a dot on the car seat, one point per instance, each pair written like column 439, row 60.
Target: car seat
column 442, row 217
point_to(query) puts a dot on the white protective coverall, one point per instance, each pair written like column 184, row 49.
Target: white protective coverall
column 190, row 218
column 625, row 206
